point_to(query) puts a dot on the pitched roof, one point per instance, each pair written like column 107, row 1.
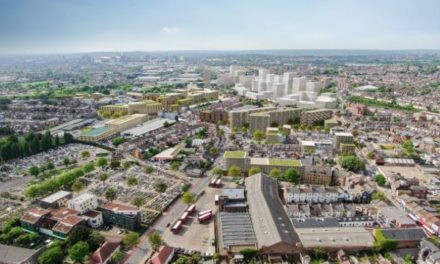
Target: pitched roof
column 271, row 223
column 404, row 233
column 11, row 254
column 162, row 256
column 34, row 214
column 106, row 250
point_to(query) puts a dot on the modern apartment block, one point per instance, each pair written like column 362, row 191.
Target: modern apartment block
column 240, row 118
column 146, row 107
column 342, row 138
column 262, row 120
column 314, row 116
column 83, row 203
column 216, row 116
column 286, row 89
column 123, row 215
column 313, row 194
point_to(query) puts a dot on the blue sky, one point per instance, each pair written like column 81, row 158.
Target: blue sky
column 55, row 26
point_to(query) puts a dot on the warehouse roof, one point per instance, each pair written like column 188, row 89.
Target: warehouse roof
column 271, row 223
column 236, row 229
column 335, row 237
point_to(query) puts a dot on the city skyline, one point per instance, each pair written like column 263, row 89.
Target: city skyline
column 44, row 26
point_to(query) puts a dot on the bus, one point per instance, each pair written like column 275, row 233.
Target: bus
column 205, row 218
column 212, row 182
column 176, row 227
column 191, row 209
column 184, row 217
column 205, row 212
column 218, row 182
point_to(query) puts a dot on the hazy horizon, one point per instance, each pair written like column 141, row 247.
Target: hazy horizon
column 81, row 26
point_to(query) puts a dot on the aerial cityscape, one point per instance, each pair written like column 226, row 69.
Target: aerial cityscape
column 231, row 134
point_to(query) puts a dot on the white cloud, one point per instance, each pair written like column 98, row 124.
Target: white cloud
column 170, row 30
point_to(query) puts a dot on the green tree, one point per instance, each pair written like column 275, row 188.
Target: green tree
column 249, row 253
column 149, row 170
column 175, row 165
column 155, row 240
column 103, row 177
column 101, row 162
column 89, row 167
column 34, row 171
column 234, row 171
column 259, row 135
column 130, row 239
column 371, row 155
column 52, row 255
column 85, row 154
column 292, row 176
column 254, row 170
column 111, row 194
column 275, row 173
column 138, row 201
column 77, row 186
column 160, row 187
column 118, row 141
column 217, row 171
column 117, row 257
column 126, row 165
column 50, row 166
column 213, row 151
column 189, row 198
column 79, row 251
column 379, row 195
column 382, row 243
column 380, row 179
column 78, row 233
column 95, row 240
column 132, row 181
column 66, row 161
column 352, row 163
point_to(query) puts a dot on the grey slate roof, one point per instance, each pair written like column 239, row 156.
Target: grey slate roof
column 405, row 233
column 271, row 223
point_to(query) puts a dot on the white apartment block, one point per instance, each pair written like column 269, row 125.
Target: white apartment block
column 312, row 194
column 83, row 203
column 285, row 89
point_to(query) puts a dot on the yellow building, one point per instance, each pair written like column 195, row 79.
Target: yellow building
column 262, row 120
column 113, row 127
